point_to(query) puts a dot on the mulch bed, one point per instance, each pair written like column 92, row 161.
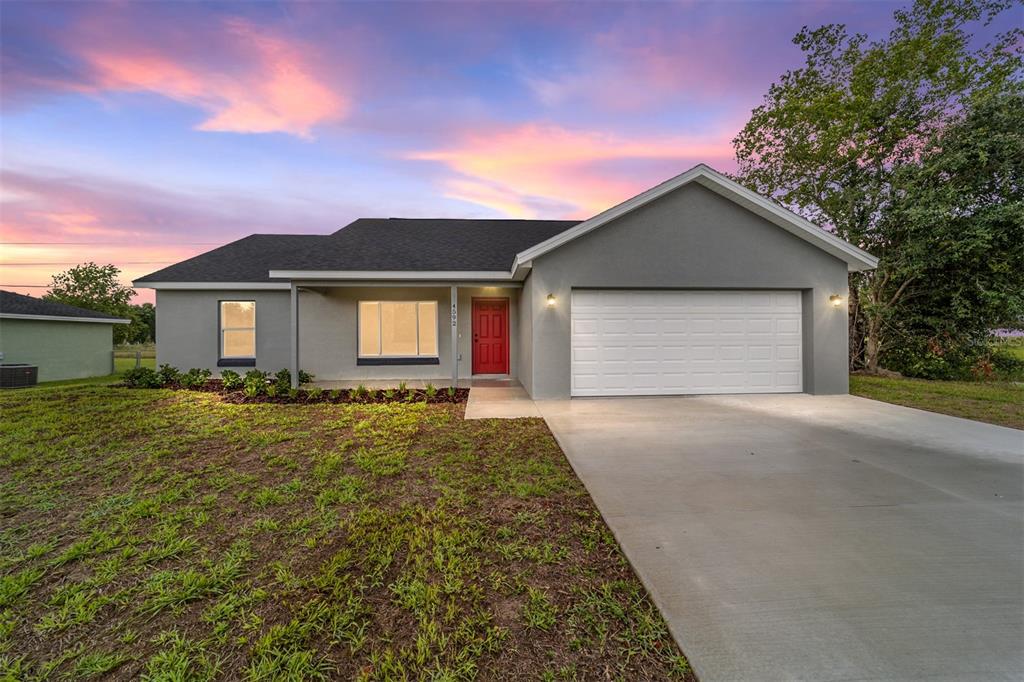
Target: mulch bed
column 335, row 396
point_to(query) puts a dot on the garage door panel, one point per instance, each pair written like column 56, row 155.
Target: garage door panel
column 636, row 342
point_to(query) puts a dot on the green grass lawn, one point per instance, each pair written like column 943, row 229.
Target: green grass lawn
column 1014, row 347
column 170, row 536
column 127, row 362
column 993, row 402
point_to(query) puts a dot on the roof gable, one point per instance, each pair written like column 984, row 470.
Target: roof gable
column 855, row 258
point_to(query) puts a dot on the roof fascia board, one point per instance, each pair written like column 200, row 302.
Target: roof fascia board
column 196, row 286
column 64, row 318
column 340, row 284
column 856, row 258
column 472, row 275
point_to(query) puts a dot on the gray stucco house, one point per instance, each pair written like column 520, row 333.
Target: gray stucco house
column 697, row 285
column 63, row 341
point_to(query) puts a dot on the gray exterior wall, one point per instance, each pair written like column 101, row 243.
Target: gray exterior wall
column 328, row 331
column 188, row 334
column 691, row 238
column 61, row 350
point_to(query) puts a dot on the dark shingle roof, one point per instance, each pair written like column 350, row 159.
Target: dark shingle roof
column 19, row 304
column 370, row 244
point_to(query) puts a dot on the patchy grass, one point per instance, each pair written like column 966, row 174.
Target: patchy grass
column 993, row 402
column 126, row 362
column 167, row 535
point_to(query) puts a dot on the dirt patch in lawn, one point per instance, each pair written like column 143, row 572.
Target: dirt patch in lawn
column 158, row 533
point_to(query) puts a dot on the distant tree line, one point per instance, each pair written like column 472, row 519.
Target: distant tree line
column 98, row 287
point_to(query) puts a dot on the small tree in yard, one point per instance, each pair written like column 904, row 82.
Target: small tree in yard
column 911, row 148
column 95, row 287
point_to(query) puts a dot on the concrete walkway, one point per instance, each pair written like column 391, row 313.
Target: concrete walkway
column 814, row 537
column 500, row 402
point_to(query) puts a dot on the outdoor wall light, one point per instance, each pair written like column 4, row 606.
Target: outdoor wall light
column 551, row 300
column 836, row 300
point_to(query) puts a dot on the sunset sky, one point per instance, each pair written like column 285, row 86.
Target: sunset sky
column 143, row 133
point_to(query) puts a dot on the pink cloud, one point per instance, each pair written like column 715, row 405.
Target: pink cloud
column 536, row 170
column 268, row 85
column 50, row 221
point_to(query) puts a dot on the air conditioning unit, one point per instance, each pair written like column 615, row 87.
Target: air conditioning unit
column 18, row 375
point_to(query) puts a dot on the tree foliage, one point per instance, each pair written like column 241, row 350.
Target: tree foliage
column 890, row 144
column 95, row 287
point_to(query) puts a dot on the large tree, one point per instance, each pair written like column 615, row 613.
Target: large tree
column 96, row 287
column 854, row 138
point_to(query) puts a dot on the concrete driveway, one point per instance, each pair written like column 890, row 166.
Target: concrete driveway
column 816, row 538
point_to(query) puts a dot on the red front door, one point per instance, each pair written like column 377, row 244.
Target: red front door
column 490, row 336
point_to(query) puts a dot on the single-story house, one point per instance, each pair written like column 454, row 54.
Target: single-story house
column 698, row 285
column 63, row 341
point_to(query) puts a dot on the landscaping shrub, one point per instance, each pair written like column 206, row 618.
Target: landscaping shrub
column 141, row 377
column 935, row 360
column 305, row 377
column 1007, row 366
column 255, row 383
column 283, row 380
column 231, row 380
column 260, row 386
column 195, row 378
column 169, row 375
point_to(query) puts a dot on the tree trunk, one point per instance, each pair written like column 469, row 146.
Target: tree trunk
column 854, row 324
column 872, row 342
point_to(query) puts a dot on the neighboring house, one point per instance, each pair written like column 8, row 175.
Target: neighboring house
column 697, row 285
column 63, row 341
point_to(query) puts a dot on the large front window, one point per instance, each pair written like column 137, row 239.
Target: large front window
column 397, row 329
column 237, row 329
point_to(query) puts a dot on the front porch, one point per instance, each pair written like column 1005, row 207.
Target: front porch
column 507, row 383
column 489, row 398
column 379, row 334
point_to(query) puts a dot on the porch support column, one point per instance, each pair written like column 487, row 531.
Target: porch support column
column 295, row 335
column 455, row 335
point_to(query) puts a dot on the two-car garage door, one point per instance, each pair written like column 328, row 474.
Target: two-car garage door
column 650, row 342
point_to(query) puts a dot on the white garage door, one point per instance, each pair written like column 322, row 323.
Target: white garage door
column 643, row 342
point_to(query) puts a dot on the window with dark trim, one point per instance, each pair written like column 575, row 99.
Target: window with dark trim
column 237, row 333
column 394, row 332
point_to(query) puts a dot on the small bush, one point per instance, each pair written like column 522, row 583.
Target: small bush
column 335, row 395
column 315, row 393
column 1007, row 366
column 451, row 392
column 141, row 377
column 272, row 390
column 195, row 378
column 305, row 377
column 255, row 383
column 430, row 391
column 232, row 380
column 169, row 375
column 283, row 380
